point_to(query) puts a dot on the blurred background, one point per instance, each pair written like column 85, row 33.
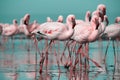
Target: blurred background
column 40, row 9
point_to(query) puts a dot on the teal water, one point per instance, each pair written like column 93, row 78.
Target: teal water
column 18, row 61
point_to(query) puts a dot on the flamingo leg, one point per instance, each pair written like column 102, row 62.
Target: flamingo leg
column 90, row 58
column 46, row 53
column 86, row 52
column 114, row 57
column 106, row 54
column 63, row 53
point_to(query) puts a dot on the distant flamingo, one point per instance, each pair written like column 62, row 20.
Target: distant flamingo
column 117, row 20
column 30, row 26
column 60, row 19
column 112, row 32
column 49, row 19
column 9, row 30
column 56, row 31
column 26, row 19
column 22, row 28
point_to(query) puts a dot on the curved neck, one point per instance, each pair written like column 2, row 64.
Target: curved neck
column 87, row 17
column 94, row 26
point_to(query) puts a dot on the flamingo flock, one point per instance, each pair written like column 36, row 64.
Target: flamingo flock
column 73, row 31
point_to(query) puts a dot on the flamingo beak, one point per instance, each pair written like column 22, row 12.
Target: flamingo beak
column 74, row 23
column 1, row 29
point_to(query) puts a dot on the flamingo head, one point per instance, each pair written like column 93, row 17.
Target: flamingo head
column 102, row 8
column 96, row 12
column 117, row 20
column 71, row 20
column 88, row 14
column 26, row 19
column 49, row 19
column 60, row 19
column 15, row 22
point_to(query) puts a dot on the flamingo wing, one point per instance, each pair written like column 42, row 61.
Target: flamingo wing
column 51, row 30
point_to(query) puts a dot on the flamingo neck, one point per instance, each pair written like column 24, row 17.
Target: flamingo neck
column 70, row 25
column 94, row 25
column 87, row 16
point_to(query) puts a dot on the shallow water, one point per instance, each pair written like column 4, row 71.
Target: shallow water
column 19, row 60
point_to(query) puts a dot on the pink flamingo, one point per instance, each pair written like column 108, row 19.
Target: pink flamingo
column 112, row 32
column 26, row 19
column 78, row 21
column 56, row 31
column 102, row 9
column 29, row 26
column 117, row 20
column 9, row 30
column 89, row 32
column 49, row 19
column 60, row 19
column 22, row 28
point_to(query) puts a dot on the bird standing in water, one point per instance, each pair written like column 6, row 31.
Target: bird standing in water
column 56, row 31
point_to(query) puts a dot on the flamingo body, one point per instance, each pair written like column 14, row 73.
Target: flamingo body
column 9, row 30
column 112, row 31
column 56, row 30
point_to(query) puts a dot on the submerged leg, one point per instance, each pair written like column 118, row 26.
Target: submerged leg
column 114, row 58
column 106, row 54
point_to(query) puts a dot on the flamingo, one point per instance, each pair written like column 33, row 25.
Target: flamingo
column 49, row 19
column 56, row 31
column 22, row 28
column 9, row 30
column 112, row 32
column 117, row 20
column 60, row 19
column 30, row 26
column 102, row 9
column 26, row 19
column 89, row 32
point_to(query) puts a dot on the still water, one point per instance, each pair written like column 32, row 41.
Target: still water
column 19, row 60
